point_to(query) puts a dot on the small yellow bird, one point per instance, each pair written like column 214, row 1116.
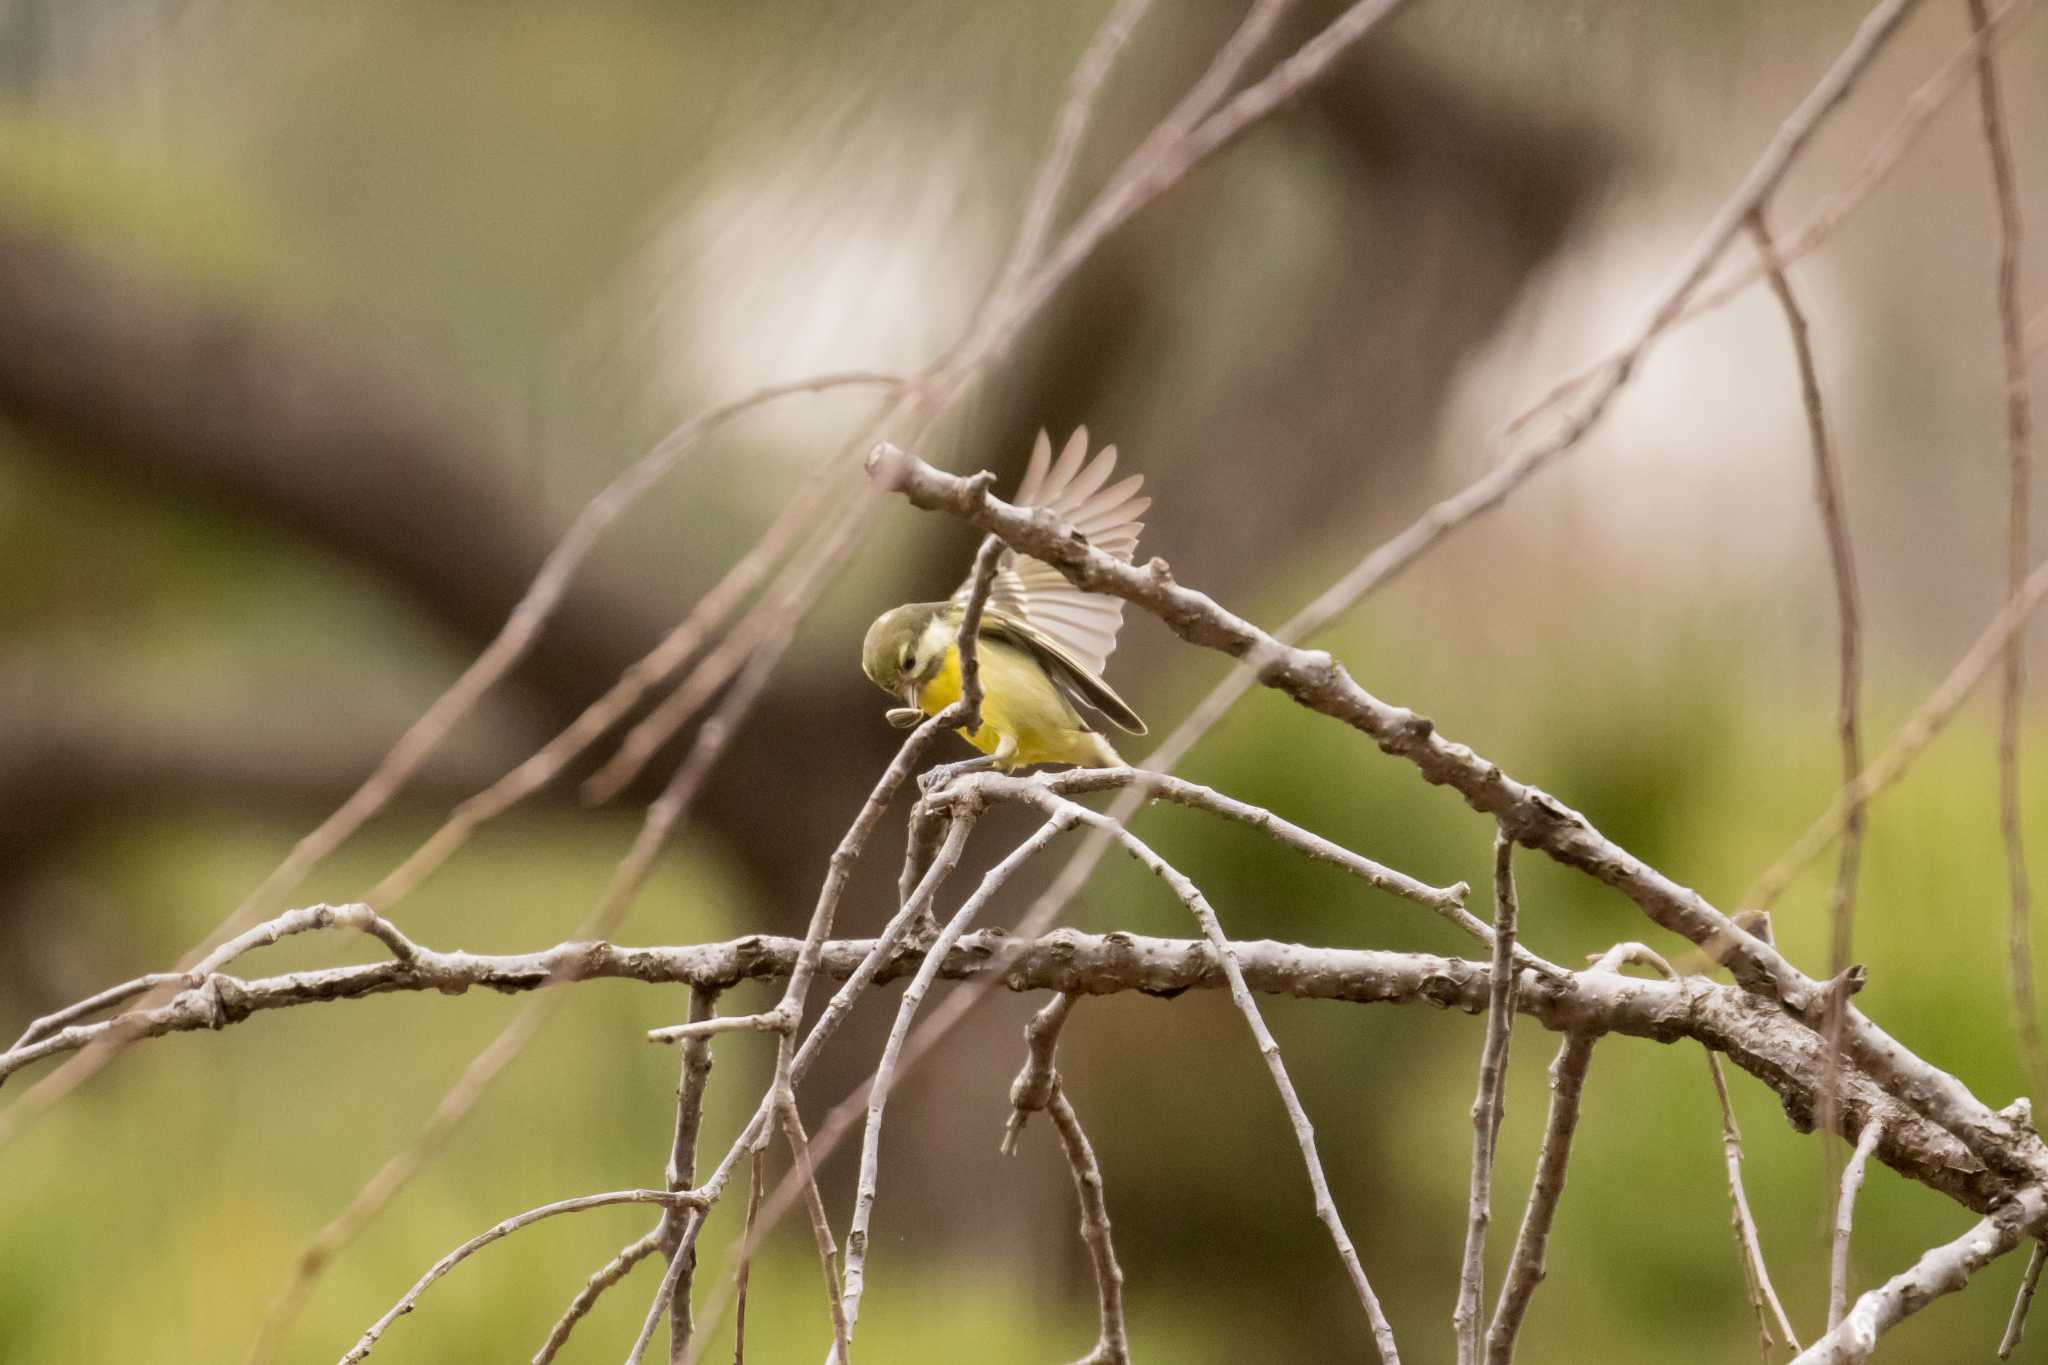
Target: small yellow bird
column 1043, row 641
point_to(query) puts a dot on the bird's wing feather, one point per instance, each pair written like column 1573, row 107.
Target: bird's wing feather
column 1083, row 689
column 1079, row 627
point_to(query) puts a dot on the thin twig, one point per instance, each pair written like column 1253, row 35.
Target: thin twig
column 1828, row 494
column 547, row 763
column 821, row 1226
column 1827, row 489
column 1162, row 787
column 2016, row 1325
column 1304, row 1133
column 368, row 1341
column 607, row 1275
column 307, row 919
column 1491, row 1102
column 1915, row 114
column 1526, row 1264
column 1112, row 1343
column 1748, row 1243
column 1180, row 144
column 2019, row 440
column 746, row 1255
column 872, row 960
column 543, row 596
column 885, row 1070
column 1037, row 1088
column 1077, row 108
column 398, row 1169
column 1942, row 1270
column 1032, row 1090
column 663, row 817
column 1927, row 721
column 666, row 1291
column 682, row 1164
column 1756, row 1274
column 1845, row 1216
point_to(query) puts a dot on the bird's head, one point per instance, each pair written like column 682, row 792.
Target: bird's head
column 902, row 650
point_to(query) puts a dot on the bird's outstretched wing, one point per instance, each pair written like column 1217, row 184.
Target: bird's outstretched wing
column 1072, row 631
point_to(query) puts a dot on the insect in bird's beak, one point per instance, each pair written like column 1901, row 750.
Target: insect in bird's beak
column 904, row 717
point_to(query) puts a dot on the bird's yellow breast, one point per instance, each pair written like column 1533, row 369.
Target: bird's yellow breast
column 1019, row 703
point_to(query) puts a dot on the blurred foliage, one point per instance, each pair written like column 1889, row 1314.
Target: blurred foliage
column 537, row 207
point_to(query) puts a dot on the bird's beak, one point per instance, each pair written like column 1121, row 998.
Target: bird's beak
column 910, row 695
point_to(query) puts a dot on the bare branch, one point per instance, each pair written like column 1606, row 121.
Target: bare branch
column 1918, row 111
column 1112, row 1346
column 1187, row 137
column 1754, row 1033
column 2019, row 440
column 1763, row 1295
column 1927, row 721
column 1845, row 1215
column 1076, row 111
column 1493, row 487
column 1240, row 993
column 398, row 1169
column 1032, row 1090
column 1491, row 1102
column 1943, row 1270
column 304, row 920
column 368, row 1341
column 821, row 1227
column 607, row 1275
column 521, row 628
column 2016, row 1325
column 703, row 1030
column 1036, row 1088
column 1748, row 1244
column 1526, row 1265
column 666, row 1291
column 682, row 1165
column 874, row 958
column 1160, row 786
column 634, row 682
column 746, row 1255
column 1827, row 488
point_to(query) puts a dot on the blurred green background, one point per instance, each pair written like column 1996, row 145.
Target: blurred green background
column 543, row 234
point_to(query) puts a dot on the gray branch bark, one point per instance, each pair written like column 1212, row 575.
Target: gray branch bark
column 1753, row 1033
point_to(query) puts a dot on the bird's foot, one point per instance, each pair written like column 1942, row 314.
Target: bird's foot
column 931, row 779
